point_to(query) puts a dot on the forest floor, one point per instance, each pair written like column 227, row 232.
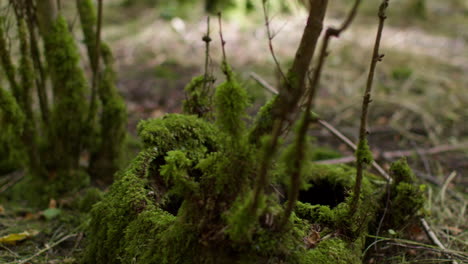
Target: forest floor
column 419, row 106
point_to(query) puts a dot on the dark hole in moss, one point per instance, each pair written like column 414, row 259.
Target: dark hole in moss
column 172, row 204
column 323, row 193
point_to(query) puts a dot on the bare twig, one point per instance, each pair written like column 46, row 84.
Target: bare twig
column 331, row 32
column 14, row 178
column 433, row 237
column 376, row 57
column 31, row 20
column 390, row 155
column 270, row 41
column 207, row 40
column 334, row 132
column 223, row 43
column 263, row 83
column 42, row 251
column 301, row 135
column 289, row 95
column 96, row 74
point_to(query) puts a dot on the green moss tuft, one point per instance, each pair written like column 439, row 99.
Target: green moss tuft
column 174, row 173
column 175, row 131
column 401, row 172
column 198, row 100
column 263, row 123
column 406, row 198
column 231, row 100
column 363, row 153
column 7, row 64
column 88, row 22
column 68, row 115
column 107, row 155
column 334, row 250
column 90, row 197
column 321, row 153
column 12, row 121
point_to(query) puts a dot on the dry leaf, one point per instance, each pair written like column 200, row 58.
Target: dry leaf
column 2, row 210
column 12, row 239
column 454, row 230
column 313, row 239
column 31, row 216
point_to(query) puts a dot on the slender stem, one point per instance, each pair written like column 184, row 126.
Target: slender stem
column 434, row 237
column 31, row 20
column 223, row 43
column 376, row 57
column 95, row 83
column 207, row 41
column 270, row 42
column 304, row 125
column 290, row 91
column 331, row 32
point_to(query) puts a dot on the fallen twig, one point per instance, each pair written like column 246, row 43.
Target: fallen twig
column 263, row 83
column 42, row 251
column 15, row 177
column 434, row 238
column 390, row 155
column 350, row 144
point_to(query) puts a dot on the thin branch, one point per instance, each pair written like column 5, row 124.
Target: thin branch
column 263, row 83
column 286, row 103
column 334, row 132
column 207, row 40
column 96, row 74
column 15, row 177
column 376, row 57
column 331, row 32
column 223, row 43
column 31, row 20
column 391, row 155
column 42, row 251
column 270, row 41
column 434, row 237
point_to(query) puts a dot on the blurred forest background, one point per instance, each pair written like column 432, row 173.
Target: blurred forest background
column 420, row 98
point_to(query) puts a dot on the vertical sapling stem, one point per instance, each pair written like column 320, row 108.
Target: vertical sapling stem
column 363, row 154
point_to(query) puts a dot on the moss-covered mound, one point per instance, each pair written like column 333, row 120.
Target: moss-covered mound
column 184, row 200
column 193, row 195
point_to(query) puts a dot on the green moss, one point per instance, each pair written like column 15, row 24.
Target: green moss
column 150, row 225
column 175, row 131
column 198, row 100
column 407, row 203
column 174, row 173
column 126, row 199
column 187, row 197
column 90, row 197
column 363, row 153
column 401, row 172
column 107, row 154
column 68, row 115
column 7, row 64
column 231, row 100
column 12, row 117
column 406, row 198
column 88, row 21
column 321, row 153
column 333, row 250
column 402, row 73
column 240, row 221
column 12, row 121
column 263, row 122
